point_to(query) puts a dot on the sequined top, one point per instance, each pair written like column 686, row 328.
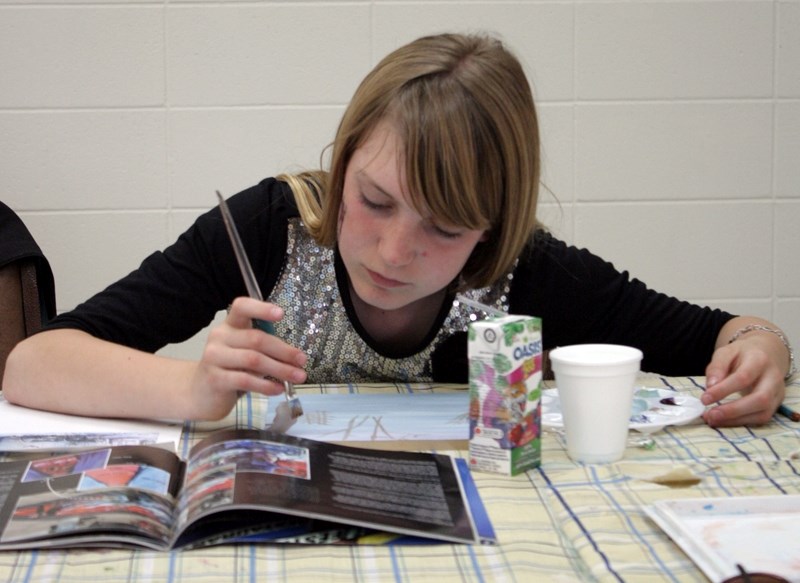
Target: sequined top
column 579, row 297
column 317, row 320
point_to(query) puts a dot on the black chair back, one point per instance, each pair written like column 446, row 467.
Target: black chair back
column 27, row 286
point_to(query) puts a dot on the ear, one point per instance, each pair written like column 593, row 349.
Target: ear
column 484, row 237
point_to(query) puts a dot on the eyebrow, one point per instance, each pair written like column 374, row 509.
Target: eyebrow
column 366, row 177
column 362, row 174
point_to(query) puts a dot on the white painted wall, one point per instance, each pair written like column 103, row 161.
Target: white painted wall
column 671, row 128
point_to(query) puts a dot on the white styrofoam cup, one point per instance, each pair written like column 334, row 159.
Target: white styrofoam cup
column 595, row 384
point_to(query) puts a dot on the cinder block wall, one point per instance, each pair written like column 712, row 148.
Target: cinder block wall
column 671, row 128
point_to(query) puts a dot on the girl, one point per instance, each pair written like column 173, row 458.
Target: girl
column 432, row 190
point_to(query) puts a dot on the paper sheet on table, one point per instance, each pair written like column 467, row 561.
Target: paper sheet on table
column 23, row 429
column 379, row 417
column 758, row 532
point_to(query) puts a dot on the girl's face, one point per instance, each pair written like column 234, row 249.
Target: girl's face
column 393, row 255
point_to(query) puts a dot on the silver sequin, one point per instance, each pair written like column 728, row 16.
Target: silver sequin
column 315, row 320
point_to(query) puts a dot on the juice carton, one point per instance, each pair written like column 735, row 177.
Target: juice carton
column 505, row 378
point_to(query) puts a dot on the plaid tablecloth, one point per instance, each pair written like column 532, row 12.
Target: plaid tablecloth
column 561, row 522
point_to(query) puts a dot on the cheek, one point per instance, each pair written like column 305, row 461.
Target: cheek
column 342, row 213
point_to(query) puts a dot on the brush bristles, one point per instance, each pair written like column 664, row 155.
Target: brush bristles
column 295, row 408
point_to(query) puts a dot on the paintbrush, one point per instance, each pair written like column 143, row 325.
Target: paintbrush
column 789, row 413
column 253, row 290
column 461, row 298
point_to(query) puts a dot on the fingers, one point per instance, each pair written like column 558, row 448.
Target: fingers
column 282, row 361
column 244, row 310
column 749, row 373
column 236, row 346
column 733, row 370
column 256, row 353
column 754, row 408
column 239, row 358
column 235, row 382
column 718, row 382
column 215, row 390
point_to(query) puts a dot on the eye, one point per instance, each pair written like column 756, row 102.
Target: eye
column 372, row 205
column 446, row 233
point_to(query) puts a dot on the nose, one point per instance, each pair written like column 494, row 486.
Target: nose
column 398, row 243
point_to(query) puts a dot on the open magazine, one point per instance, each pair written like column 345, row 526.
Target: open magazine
column 238, row 485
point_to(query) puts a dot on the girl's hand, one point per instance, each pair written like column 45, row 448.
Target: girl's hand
column 754, row 365
column 238, row 357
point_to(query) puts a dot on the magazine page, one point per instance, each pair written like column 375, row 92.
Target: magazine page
column 246, row 526
column 122, row 495
column 318, row 532
column 402, row 492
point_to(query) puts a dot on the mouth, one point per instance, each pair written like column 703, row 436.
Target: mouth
column 382, row 281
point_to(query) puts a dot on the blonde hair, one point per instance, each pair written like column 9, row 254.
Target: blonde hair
column 465, row 114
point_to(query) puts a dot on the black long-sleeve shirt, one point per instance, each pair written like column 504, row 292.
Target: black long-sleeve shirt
column 579, row 297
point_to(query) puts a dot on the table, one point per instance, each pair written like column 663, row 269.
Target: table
column 561, row 522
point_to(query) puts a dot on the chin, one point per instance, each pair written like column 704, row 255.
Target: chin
column 383, row 299
column 385, row 303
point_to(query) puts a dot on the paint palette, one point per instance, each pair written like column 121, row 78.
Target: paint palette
column 758, row 532
column 653, row 409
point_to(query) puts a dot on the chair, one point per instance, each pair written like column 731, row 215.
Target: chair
column 27, row 286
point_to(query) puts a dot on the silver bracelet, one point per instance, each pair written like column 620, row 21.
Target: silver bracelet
column 779, row 334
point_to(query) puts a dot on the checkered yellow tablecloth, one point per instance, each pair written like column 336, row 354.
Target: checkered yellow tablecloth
column 561, row 522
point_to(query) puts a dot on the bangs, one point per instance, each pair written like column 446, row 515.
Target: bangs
column 463, row 111
column 452, row 159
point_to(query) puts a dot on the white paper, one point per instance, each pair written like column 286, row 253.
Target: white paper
column 28, row 429
column 380, row 416
column 760, row 533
